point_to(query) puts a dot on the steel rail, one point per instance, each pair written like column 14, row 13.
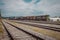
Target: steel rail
column 44, row 27
column 9, row 35
column 38, row 38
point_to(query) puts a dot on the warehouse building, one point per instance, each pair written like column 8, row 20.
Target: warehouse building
column 55, row 19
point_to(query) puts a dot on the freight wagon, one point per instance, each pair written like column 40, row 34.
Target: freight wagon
column 37, row 18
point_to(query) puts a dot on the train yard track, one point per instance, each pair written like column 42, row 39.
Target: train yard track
column 11, row 28
column 55, row 23
column 41, row 26
column 9, row 35
column 39, row 32
column 44, row 22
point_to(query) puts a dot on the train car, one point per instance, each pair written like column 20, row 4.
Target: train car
column 37, row 18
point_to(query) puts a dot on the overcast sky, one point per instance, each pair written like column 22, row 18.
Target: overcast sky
column 30, row 7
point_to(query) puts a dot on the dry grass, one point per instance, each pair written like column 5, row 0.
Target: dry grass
column 51, row 33
column 1, row 30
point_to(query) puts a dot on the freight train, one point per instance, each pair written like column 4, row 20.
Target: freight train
column 37, row 18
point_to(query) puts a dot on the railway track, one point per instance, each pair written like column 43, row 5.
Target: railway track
column 11, row 28
column 44, row 22
column 38, row 33
column 9, row 35
column 41, row 26
column 55, row 23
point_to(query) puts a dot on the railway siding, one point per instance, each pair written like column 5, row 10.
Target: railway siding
column 18, row 34
column 47, row 33
column 3, row 33
column 8, row 33
column 41, row 26
column 51, row 25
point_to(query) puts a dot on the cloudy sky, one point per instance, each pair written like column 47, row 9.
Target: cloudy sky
column 30, row 7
